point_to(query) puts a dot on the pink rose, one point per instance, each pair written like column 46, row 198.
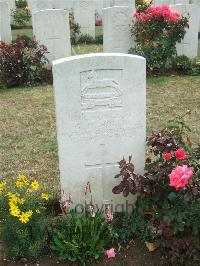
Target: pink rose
column 180, row 154
column 167, row 156
column 110, row 253
column 180, row 176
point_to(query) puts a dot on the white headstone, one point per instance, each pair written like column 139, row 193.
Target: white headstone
column 37, row 5
column 109, row 3
column 177, row 2
column 100, row 115
column 169, row 2
column 51, row 28
column 130, row 3
column 84, row 15
column 11, row 7
column 116, row 29
column 99, row 8
column 189, row 45
column 5, row 28
column 63, row 4
column 163, row 2
column 197, row 3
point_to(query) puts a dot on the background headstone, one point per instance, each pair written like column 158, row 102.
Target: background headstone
column 100, row 116
column 37, row 5
column 5, row 28
column 99, row 8
column 197, row 3
column 51, row 28
column 163, row 2
column 63, row 4
column 110, row 3
column 130, row 3
column 84, row 15
column 189, row 45
column 11, row 7
column 169, row 2
column 116, row 29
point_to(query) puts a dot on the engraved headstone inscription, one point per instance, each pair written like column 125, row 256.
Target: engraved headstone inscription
column 100, row 117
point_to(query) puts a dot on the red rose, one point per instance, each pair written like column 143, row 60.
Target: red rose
column 180, row 154
column 167, row 156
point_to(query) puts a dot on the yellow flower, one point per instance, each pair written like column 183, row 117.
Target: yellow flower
column 24, row 218
column 45, row 196
column 21, row 201
column 22, row 178
column 2, row 185
column 19, row 184
column 29, row 213
column 14, row 211
column 37, row 211
column 35, row 185
column 13, row 197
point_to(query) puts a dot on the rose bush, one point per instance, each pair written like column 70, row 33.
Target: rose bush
column 156, row 31
column 168, row 206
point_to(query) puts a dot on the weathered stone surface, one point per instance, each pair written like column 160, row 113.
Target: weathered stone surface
column 100, row 116
column 37, row 5
column 169, row 2
column 51, row 28
column 84, row 15
column 197, row 3
column 12, row 7
column 116, row 29
column 5, row 28
column 99, row 8
column 110, row 3
column 63, row 4
column 130, row 3
column 189, row 45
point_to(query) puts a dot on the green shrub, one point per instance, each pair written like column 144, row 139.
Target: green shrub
column 184, row 65
column 20, row 17
column 74, row 29
column 21, row 63
column 156, row 31
column 21, row 3
column 99, row 39
column 23, row 218
column 81, row 238
column 86, row 39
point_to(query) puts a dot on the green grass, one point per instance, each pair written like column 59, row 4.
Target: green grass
column 28, row 131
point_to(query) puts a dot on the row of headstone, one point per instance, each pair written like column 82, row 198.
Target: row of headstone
column 83, row 11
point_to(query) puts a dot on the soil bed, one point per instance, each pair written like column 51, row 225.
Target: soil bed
column 135, row 255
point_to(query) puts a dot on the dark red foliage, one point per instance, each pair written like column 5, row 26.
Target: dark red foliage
column 21, row 63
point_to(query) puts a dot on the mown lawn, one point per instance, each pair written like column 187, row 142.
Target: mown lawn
column 28, row 132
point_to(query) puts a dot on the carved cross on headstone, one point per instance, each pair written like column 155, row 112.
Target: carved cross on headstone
column 103, row 164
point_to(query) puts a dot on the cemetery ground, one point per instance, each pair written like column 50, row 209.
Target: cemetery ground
column 29, row 146
column 28, row 134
